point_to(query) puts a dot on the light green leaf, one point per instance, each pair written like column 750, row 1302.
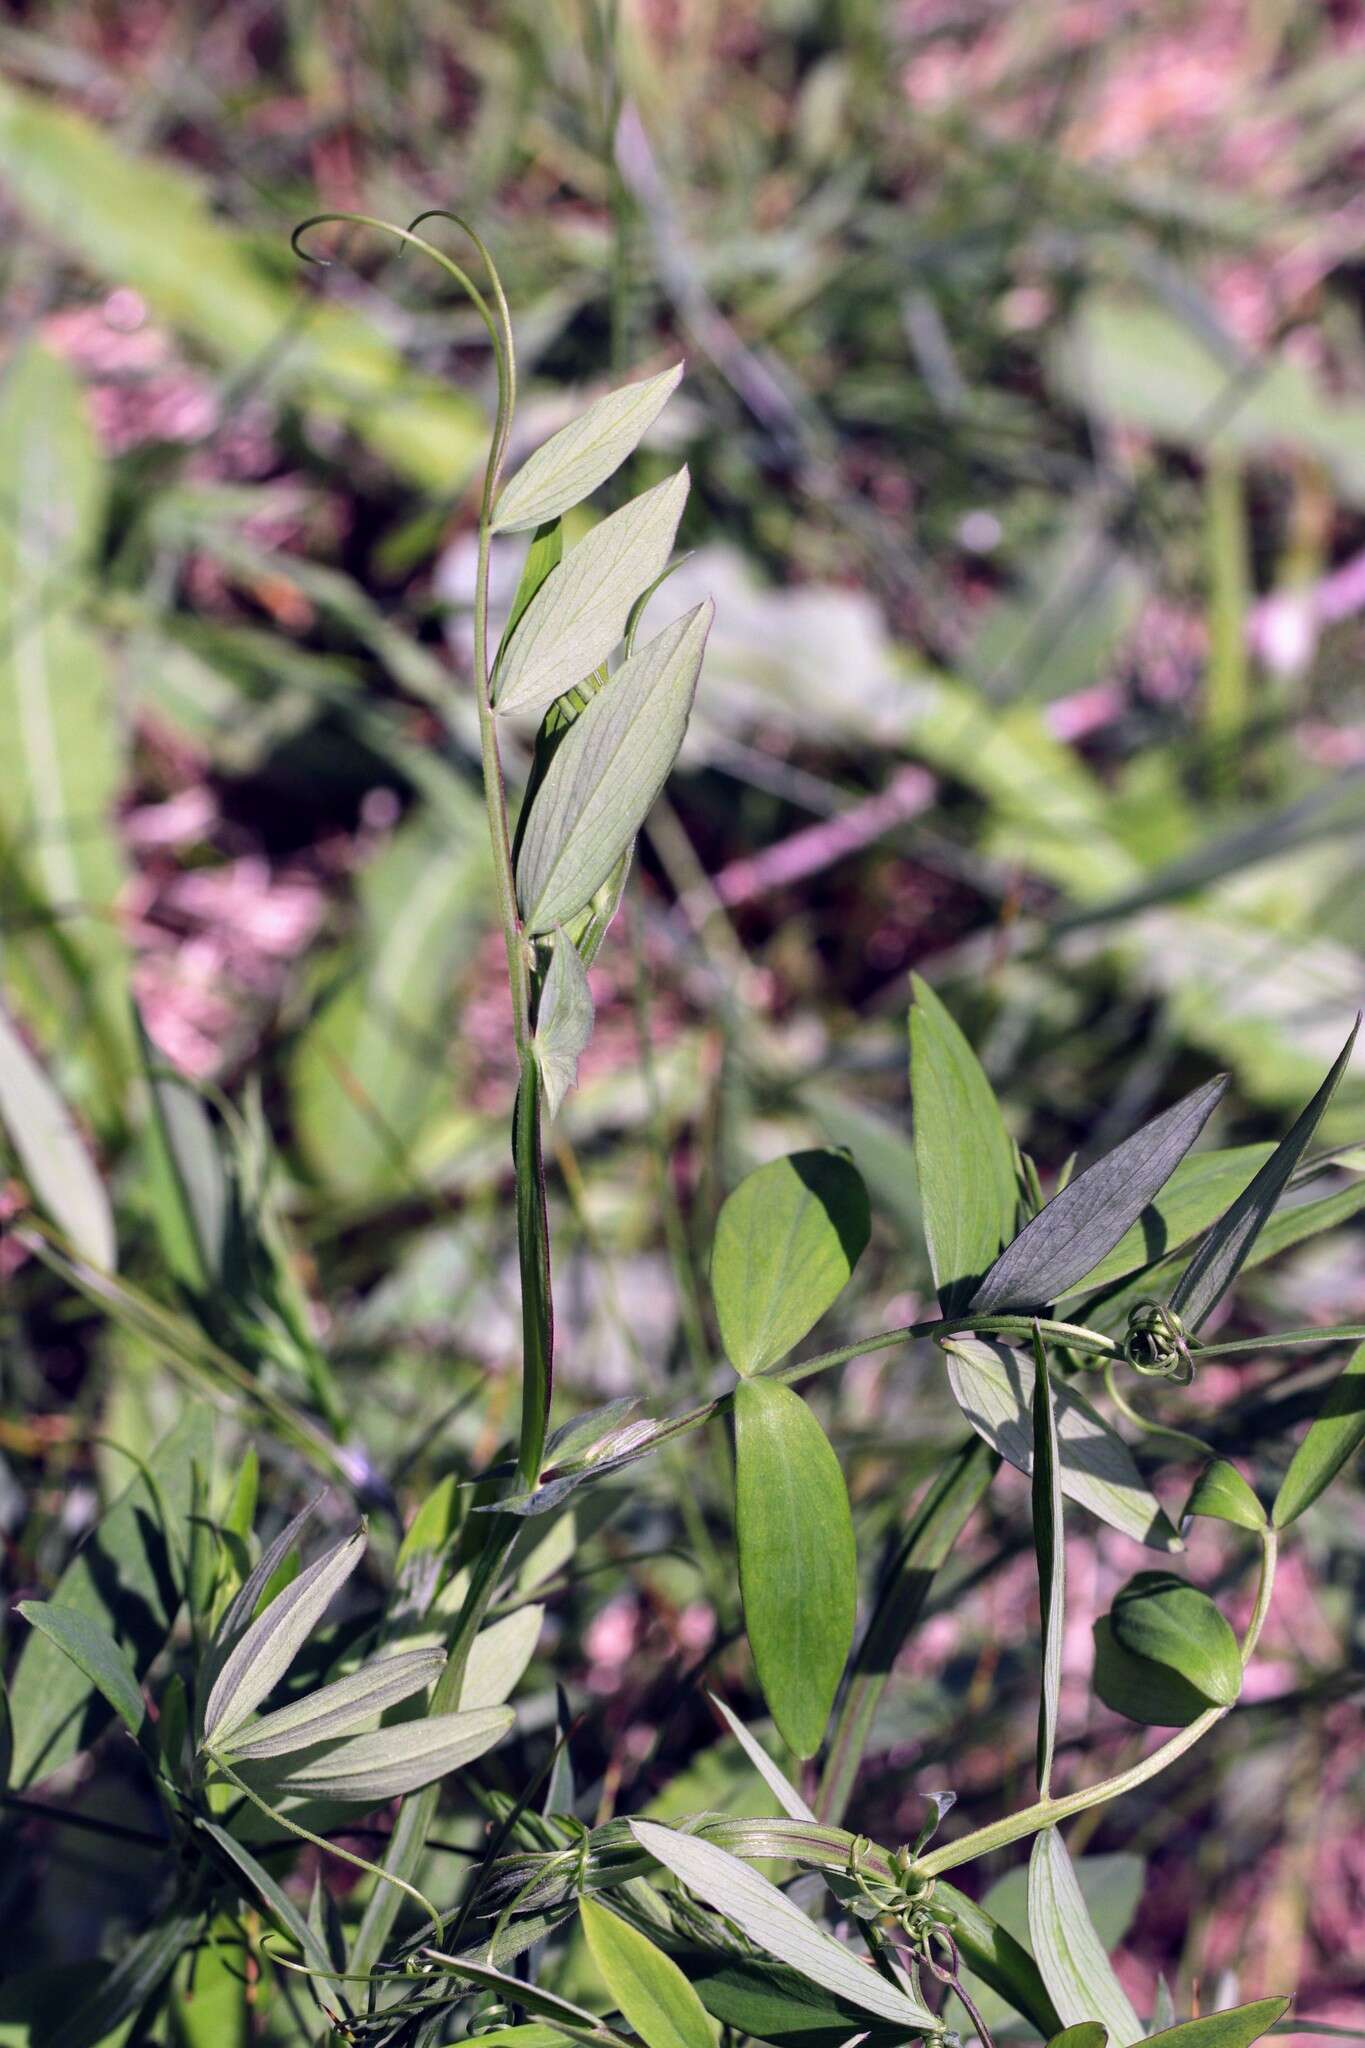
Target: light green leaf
column 572, row 463
column 95, row 1654
column 797, row 1561
column 786, row 1242
column 186, row 1173
column 1067, row 1949
column 650, row 1990
column 994, row 1389
column 1237, row 2027
column 964, row 1158
column 337, row 1709
column 52, row 1152
column 606, row 772
column 498, row 1658
column 1165, row 1620
column 564, row 1021
column 773, row 1923
column 128, row 1579
column 1221, row 1493
column 546, row 552
column 1223, row 1252
column 265, row 1651
column 579, row 613
column 1085, row 2034
column 1050, row 1547
column 1334, row 1435
column 394, row 1761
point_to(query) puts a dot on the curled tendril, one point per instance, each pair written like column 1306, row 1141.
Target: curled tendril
column 904, row 1895
column 491, row 2014
column 1157, row 1344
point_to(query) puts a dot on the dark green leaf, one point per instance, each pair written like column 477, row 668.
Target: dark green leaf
column 95, row 1654
column 128, row 1579
column 994, row 1389
column 650, row 1990
column 1221, row 1256
column 1078, row 1227
column 797, row 1563
column 140, row 1970
column 1195, row 1196
column 1085, row 2034
column 964, row 1157
column 1334, row 1436
column 545, row 553
column 275, row 1899
column 1069, row 1953
column 786, row 1243
column 187, row 1176
column 1238, row 2027
column 1049, row 1545
column 1221, row 1493
column 768, row 2001
column 1165, row 1620
column 1151, row 1694
column 934, row 1528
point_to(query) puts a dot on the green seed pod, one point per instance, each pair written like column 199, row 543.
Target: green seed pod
column 1165, row 1620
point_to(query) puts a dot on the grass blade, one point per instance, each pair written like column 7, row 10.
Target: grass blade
column 1220, row 1257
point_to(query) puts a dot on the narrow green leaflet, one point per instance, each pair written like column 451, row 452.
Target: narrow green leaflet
column 564, row 1022
column 275, row 1899
column 1238, row 2027
column 95, row 1653
column 498, row 1658
column 1067, row 1949
column 798, row 1570
column 52, row 1153
column 269, row 1646
column 938, row 1521
column 1085, row 2034
column 546, row 552
column 186, row 1174
column 127, row 1577
column 964, row 1157
column 1048, row 1543
column 1165, row 1620
column 1334, row 1435
column 774, row 1924
column 606, row 772
column 786, row 1243
column 533, row 1256
column 993, row 1387
column 650, row 1990
column 1220, row 1257
column 572, row 463
column 1153, row 1695
column 337, row 1709
column 579, row 613
column 1079, row 1226
column 393, row 1761
column 1195, row 1196
column 1221, row 1493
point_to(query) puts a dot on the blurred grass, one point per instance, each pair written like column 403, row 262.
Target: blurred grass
column 1026, row 407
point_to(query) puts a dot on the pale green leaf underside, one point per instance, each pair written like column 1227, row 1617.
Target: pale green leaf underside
column 1067, row 1950
column 52, row 1152
column 573, row 462
column 337, row 1709
column 269, row 1646
column 394, row 1761
column 579, row 613
column 564, row 1023
column 993, row 1387
column 606, row 773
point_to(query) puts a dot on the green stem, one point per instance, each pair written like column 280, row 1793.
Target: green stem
column 1183, row 1437
column 1046, row 1813
column 1345, row 1333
